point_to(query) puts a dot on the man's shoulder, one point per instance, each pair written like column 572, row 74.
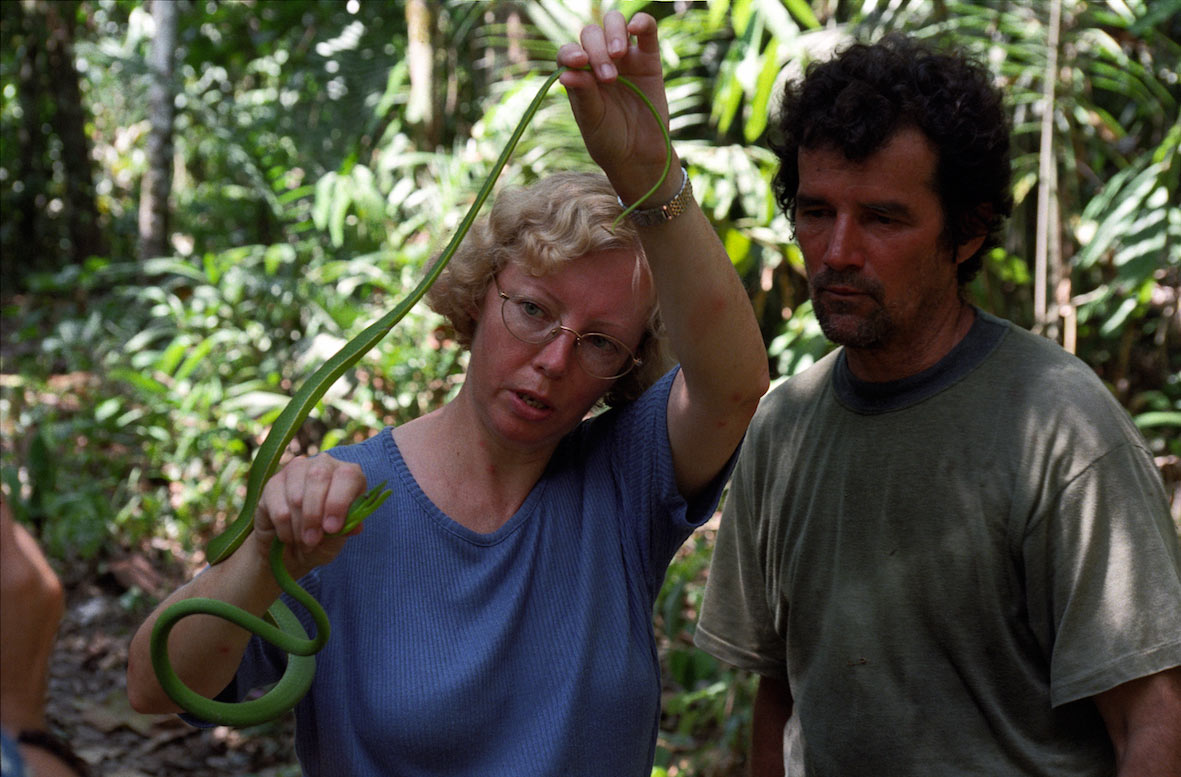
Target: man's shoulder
column 1057, row 393
column 784, row 407
column 805, row 385
column 1044, row 368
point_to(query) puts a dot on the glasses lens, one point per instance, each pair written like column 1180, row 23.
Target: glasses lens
column 526, row 320
column 602, row 356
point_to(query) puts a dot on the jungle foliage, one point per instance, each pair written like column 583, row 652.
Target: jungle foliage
column 321, row 151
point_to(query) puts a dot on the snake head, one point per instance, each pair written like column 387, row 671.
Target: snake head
column 364, row 506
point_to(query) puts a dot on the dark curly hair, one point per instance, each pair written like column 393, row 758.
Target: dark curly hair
column 858, row 100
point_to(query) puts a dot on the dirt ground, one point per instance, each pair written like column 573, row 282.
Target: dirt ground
column 88, row 704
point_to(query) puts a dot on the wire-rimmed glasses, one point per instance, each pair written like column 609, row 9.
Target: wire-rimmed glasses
column 600, row 355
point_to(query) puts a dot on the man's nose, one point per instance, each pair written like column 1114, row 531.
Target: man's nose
column 844, row 249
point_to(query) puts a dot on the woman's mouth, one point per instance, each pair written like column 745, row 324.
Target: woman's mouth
column 532, row 401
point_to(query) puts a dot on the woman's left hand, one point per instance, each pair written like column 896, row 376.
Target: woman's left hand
column 618, row 129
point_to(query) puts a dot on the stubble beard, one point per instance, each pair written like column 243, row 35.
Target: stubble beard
column 842, row 322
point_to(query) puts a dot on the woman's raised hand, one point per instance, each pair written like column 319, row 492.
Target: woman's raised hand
column 305, row 505
column 618, row 129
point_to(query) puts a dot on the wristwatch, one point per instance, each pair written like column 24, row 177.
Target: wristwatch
column 647, row 217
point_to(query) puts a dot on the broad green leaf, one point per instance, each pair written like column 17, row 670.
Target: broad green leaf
column 1117, row 319
column 1117, row 221
column 800, row 10
column 1158, row 418
column 756, row 120
column 145, row 383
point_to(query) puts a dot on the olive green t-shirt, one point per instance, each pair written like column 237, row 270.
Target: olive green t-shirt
column 945, row 568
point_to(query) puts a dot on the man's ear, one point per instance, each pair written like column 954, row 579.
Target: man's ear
column 976, row 225
column 965, row 251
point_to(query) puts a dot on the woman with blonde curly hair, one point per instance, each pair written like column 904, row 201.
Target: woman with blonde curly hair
column 495, row 615
column 541, row 228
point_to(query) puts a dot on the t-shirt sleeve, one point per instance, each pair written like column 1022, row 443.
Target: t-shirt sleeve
column 738, row 618
column 653, row 512
column 1103, row 566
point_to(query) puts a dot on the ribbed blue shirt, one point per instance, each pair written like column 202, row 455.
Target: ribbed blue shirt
column 527, row 651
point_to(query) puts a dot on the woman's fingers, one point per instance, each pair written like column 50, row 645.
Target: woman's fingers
column 274, row 516
column 572, row 55
column 603, row 46
column 316, row 481
column 308, row 499
column 348, row 483
column 643, row 27
column 617, row 34
column 594, row 43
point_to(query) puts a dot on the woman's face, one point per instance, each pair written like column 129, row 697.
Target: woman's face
column 529, row 396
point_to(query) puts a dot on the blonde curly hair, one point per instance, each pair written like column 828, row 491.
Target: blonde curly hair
column 539, row 227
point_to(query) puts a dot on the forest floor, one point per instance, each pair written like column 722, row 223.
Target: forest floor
column 88, row 705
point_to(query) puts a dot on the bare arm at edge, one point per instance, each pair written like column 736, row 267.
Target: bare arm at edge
column 1143, row 718
column 773, row 705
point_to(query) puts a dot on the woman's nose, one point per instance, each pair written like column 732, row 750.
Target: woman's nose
column 554, row 358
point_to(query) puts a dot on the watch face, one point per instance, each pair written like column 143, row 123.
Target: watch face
column 647, row 217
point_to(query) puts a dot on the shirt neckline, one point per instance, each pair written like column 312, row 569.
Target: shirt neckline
column 869, row 397
column 446, row 522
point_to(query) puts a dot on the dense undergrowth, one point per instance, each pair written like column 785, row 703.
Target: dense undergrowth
column 310, row 189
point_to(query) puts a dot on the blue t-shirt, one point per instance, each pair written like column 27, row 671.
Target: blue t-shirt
column 527, row 651
column 11, row 763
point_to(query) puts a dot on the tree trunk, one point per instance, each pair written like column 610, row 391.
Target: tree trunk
column 156, row 185
column 69, row 123
column 510, row 55
column 29, row 199
column 1048, row 247
column 420, row 109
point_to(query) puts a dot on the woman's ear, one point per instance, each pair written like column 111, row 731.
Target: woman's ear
column 478, row 304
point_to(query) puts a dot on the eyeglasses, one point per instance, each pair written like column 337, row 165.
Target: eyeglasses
column 601, row 356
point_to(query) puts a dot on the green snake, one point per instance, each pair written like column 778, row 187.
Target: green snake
column 280, row 627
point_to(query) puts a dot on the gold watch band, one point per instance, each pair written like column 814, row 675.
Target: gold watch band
column 647, row 217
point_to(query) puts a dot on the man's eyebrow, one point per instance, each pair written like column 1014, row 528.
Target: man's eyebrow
column 808, row 201
column 890, row 208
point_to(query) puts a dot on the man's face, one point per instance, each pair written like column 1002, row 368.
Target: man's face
column 870, row 232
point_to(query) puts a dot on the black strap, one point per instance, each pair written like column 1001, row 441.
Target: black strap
column 52, row 744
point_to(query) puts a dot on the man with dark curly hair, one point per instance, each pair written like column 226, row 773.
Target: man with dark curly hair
column 946, row 549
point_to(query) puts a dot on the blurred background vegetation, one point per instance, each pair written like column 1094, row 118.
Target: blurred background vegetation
column 203, row 200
